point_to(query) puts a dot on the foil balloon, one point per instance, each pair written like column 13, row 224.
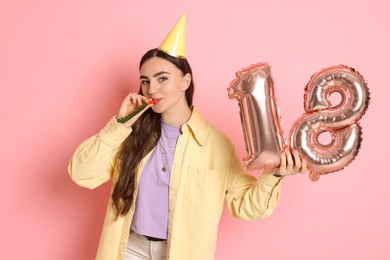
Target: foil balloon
column 338, row 121
column 253, row 88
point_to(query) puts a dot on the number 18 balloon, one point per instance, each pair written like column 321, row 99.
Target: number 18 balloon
column 264, row 139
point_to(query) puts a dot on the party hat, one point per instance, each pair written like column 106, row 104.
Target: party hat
column 174, row 44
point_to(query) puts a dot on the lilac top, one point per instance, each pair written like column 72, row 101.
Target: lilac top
column 151, row 206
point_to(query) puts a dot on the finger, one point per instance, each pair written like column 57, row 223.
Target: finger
column 144, row 99
column 138, row 100
column 132, row 95
column 282, row 166
column 290, row 162
column 131, row 99
column 283, row 160
column 135, row 99
column 297, row 160
column 304, row 166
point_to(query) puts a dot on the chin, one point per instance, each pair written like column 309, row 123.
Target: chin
column 157, row 110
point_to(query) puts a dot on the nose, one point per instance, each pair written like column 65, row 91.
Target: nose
column 153, row 88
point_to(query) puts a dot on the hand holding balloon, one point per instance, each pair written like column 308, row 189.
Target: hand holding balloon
column 290, row 163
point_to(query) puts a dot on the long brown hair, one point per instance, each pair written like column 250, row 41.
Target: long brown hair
column 145, row 134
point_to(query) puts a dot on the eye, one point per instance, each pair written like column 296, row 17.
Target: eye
column 162, row 79
column 145, row 82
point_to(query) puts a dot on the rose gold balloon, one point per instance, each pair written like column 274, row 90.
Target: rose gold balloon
column 264, row 139
column 340, row 121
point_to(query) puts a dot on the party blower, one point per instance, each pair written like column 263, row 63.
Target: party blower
column 132, row 114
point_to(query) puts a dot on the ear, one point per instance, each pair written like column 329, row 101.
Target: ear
column 186, row 81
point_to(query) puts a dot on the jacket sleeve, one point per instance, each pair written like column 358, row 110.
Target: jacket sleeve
column 249, row 198
column 92, row 164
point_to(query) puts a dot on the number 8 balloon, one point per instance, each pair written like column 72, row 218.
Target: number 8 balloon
column 264, row 139
column 339, row 120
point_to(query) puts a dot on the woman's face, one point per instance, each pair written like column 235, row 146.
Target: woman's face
column 163, row 81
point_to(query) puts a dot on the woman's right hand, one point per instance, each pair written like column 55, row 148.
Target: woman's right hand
column 129, row 105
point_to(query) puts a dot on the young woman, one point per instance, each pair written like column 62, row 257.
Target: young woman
column 171, row 171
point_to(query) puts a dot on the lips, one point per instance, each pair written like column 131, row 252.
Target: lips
column 154, row 101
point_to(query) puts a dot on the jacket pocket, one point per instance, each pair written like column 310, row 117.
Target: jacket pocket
column 204, row 189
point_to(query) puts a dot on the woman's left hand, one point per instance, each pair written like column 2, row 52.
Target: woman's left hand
column 291, row 163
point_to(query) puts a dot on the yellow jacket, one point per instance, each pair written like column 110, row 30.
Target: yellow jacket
column 205, row 171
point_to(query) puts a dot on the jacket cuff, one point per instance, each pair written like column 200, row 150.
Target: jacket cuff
column 114, row 133
column 269, row 181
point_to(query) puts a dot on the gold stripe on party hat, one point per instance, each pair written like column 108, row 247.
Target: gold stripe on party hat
column 175, row 42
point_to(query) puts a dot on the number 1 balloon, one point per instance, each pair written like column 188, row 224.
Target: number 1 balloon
column 264, row 139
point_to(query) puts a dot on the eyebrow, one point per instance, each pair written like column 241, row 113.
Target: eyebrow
column 155, row 75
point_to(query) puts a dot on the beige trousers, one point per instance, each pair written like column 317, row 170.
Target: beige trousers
column 139, row 248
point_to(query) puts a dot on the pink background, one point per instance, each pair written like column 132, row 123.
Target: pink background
column 66, row 65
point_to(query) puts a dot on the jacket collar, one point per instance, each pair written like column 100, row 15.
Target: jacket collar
column 197, row 124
